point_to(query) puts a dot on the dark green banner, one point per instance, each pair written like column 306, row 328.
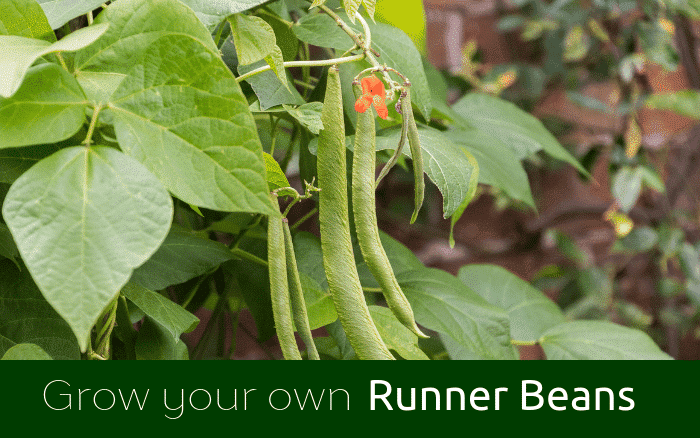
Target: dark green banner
column 442, row 398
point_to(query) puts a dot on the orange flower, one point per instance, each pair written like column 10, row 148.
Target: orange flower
column 372, row 94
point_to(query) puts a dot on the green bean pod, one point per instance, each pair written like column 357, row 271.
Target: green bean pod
column 336, row 244
column 416, row 156
column 301, row 319
column 365, row 214
column 279, row 287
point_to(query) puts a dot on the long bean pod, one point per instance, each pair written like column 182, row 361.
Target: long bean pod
column 365, row 215
column 416, row 156
column 279, row 286
column 336, row 244
column 301, row 319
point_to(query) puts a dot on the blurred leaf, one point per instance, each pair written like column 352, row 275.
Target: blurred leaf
column 640, row 239
column 684, row 102
column 652, row 179
column 689, row 261
column 633, row 138
column 598, row 340
column 576, row 44
column 530, row 312
column 626, row 187
column 8, row 249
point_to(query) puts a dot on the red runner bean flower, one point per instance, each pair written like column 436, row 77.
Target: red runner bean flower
column 372, row 94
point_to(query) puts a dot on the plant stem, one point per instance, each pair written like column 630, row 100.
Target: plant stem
column 304, row 218
column 245, row 255
column 93, row 122
column 319, row 63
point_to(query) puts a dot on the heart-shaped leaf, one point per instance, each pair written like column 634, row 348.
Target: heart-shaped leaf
column 83, row 219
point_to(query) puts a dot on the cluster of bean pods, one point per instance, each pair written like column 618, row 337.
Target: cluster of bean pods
column 338, row 257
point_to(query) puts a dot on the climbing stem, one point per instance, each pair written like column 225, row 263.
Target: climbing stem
column 93, row 123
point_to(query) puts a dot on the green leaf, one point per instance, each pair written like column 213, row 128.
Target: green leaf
column 275, row 177
column 154, row 342
column 48, row 107
column 181, row 257
column 194, row 131
column 444, row 304
column 60, row 12
column 8, row 249
column 26, row 19
column 576, row 44
column 83, row 219
column 530, row 312
column 133, row 26
column 169, row 315
column 26, row 352
column 396, row 49
column 498, row 166
column 446, row 164
column 598, row 340
column 351, row 7
column 26, row 317
column 15, row 161
column 308, row 114
column 319, row 302
column 211, row 13
column 502, row 120
column 267, row 86
column 652, row 179
column 473, row 183
column 689, row 259
column 253, row 37
column 17, row 53
column 684, row 102
column 626, row 187
column 395, row 335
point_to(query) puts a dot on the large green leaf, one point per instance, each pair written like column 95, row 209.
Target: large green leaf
column 26, row 352
column 26, row 317
column 444, row 304
column 181, row 257
column 211, row 13
column 530, row 312
column 83, row 219
column 395, row 335
column 270, row 90
column 18, row 53
column 60, row 12
column 48, row 107
column 504, row 121
column 319, row 302
column 133, row 26
column 183, row 115
column 498, row 165
column 26, row 19
column 599, row 340
column 396, row 49
column 255, row 40
column 169, row 315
